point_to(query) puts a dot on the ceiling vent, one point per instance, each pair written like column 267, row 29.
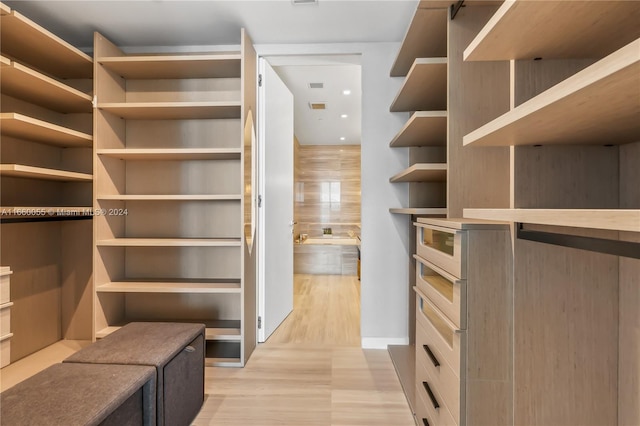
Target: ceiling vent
column 304, row 1
column 316, row 85
column 318, row 105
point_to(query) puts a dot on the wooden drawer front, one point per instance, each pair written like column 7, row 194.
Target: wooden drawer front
column 5, row 319
column 443, row 377
column 429, row 403
column 446, row 341
column 5, row 289
column 443, row 247
column 448, row 293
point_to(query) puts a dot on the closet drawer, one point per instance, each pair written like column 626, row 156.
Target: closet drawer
column 443, row 247
column 448, row 293
column 443, row 337
column 444, row 379
column 429, row 403
column 5, row 319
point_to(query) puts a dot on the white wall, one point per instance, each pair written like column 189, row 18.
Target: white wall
column 385, row 237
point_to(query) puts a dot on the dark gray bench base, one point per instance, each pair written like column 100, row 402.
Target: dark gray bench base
column 176, row 350
column 82, row 395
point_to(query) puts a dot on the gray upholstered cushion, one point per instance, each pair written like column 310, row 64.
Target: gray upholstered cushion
column 145, row 343
column 80, row 394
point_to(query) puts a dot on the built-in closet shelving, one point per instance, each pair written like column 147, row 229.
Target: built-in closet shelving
column 574, row 139
column 170, row 164
column 46, row 178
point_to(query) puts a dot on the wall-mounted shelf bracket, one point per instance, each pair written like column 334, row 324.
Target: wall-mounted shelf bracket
column 600, row 245
column 454, row 8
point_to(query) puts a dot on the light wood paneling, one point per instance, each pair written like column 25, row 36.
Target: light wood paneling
column 556, row 29
column 565, row 335
column 476, row 178
column 316, row 168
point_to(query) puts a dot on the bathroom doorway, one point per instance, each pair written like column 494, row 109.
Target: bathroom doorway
column 326, row 199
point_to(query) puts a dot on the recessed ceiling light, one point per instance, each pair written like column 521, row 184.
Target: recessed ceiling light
column 344, row 116
column 346, row 92
column 342, row 138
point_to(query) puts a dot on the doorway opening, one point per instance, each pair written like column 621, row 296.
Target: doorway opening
column 324, row 226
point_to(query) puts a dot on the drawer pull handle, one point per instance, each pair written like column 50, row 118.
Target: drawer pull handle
column 425, row 422
column 432, row 397
column 432, row 357
column 189, row 349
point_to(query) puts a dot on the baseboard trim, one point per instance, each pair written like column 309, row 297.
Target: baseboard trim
column 383, row 342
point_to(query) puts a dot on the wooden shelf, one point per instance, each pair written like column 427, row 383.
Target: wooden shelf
column 404, row 362
column 31, row 86
column 181, row 286
column 617, row 220
column 32, row 44
column 43, row 211
column 222, row 362
column 424, row 128
column 223, row 334
column 422, row 172
column 420, row 211
column 425, row 38
column 170, row 242
column 29, row 128
column 222, row 330
column 525, row 29
column 172, row 197
column 174, row 66
column 173, row 154
column 30, row 172
column 425, row 87
column 172, row 110
column 598, row 105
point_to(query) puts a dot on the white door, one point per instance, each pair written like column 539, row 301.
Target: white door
column 275, row 217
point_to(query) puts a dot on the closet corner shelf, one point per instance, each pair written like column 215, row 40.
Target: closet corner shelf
column 170, row 197
column 170, row 242
column 422, row 172
column 183, row 286
column 598, row 105
column 420, row 211
column 30, row 172
column 525, row 29
column 173, row 110
column 424, row 128
column 173, row 154
column 424, row 88
column 32, row 44
column 426, row 37
column 611, row 219
column 32, row 129
column 32, row 86
column 213, row 65
column 4, row 9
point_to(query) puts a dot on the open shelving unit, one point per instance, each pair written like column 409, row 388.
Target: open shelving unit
column 171, row 154
column 598, row 105
column 424, row 128
column 46, row 181
column 574, row 139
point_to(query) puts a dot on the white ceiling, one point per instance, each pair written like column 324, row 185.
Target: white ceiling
column 204, row 23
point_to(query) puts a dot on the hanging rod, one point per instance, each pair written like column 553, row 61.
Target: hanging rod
column 454, row 8
column 600, row 245
column 43, row 219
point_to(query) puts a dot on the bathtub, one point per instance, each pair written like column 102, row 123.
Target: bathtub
column 326, row 255
column 333, row 241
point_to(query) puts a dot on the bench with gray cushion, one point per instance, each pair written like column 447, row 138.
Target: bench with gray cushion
column 82, row 395
column 176, row 350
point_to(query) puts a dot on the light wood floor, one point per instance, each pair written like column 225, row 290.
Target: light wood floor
column 311, row 371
